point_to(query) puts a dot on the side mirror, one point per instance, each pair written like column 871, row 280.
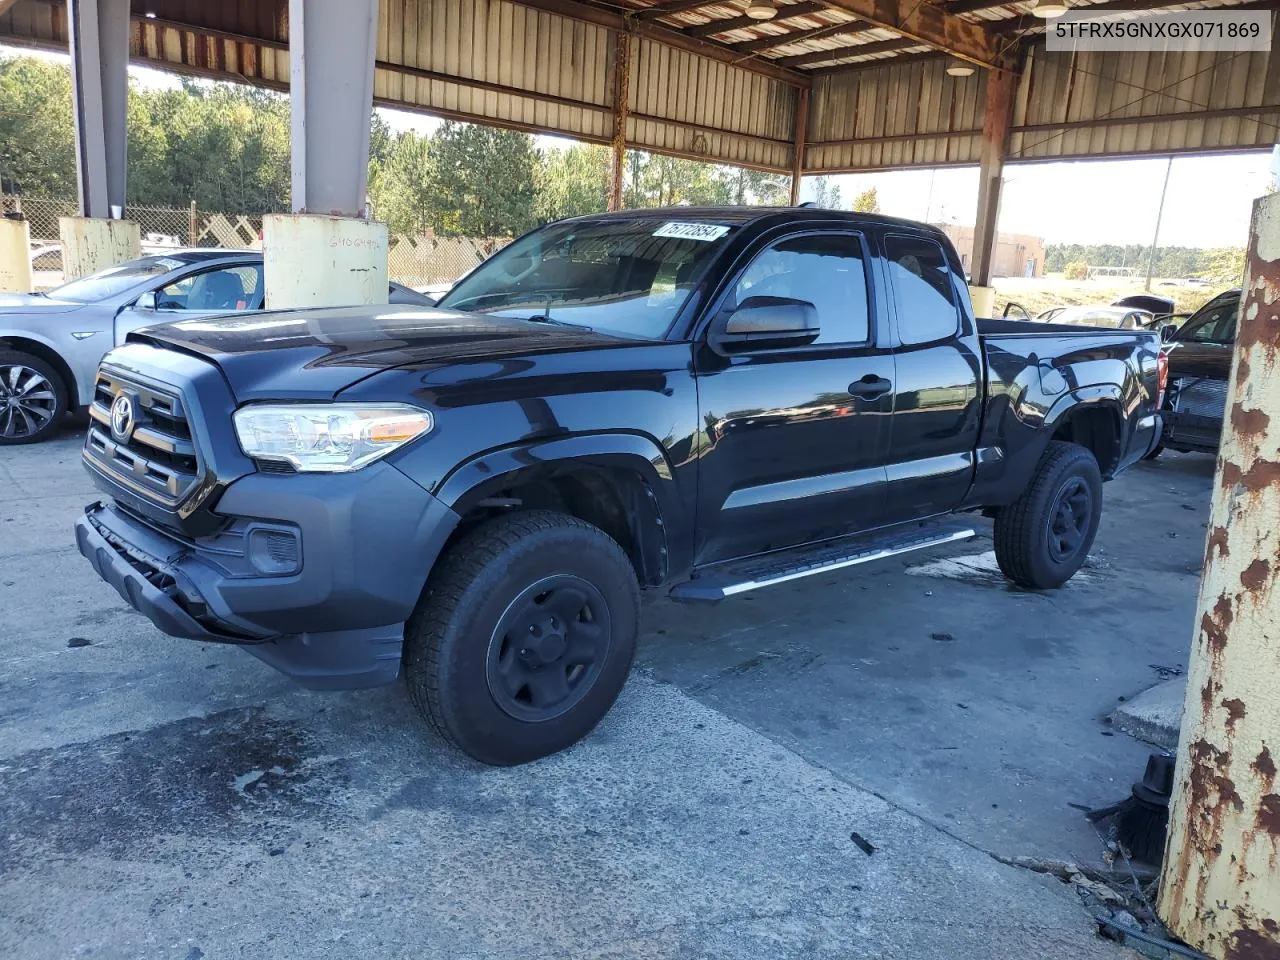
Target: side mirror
column 1167, row 332
column 146, row 302
column 766, row 322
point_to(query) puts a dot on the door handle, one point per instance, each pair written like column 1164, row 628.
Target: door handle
column 870, row 387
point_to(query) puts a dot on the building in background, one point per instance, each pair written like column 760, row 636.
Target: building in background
column 1017, row 254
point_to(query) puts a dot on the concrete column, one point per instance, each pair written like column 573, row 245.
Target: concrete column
column 310, row 260
column 327, row 253
column 331, row 49
column 1220, row 886
column 621, row 107
column 997, row 119
column 90, row 244
column 99, row 32
column 798, row 145
column 15, row 256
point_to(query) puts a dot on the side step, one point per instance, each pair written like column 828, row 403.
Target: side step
column 734, row 577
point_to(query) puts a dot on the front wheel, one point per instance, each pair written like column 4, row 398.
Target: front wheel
column 1044, row 536
column 524, row 636
column 33, row 398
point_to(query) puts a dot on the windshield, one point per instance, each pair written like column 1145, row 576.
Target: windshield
column 1097, row 317
column 113, row 280
column 629, row 277
column 1215, row 322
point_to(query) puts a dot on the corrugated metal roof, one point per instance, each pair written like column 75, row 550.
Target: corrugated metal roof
column 1094, row 104
column 891, row 105
column 895, row 116
column 734, row 115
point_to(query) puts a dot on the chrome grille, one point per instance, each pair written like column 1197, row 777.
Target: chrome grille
column 156, row 457
column 1200, row 397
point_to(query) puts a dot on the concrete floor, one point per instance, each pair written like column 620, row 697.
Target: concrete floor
column 162, row 798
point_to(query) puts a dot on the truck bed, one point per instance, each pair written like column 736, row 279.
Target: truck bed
column 1032, row 328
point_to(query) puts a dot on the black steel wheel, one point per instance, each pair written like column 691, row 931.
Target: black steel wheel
column 524, row 636
column 1044, row 536
column 32, row 398
column 548, row 648
column 1070, row 519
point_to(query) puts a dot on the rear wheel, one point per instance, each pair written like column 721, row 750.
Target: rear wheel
column 33, row 398
column 1044, row 536
column 524, row 636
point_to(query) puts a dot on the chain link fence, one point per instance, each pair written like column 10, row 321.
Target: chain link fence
column 414, row 261
column 430, row 261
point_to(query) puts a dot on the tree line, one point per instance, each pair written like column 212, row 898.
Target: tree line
column 226, row 147
column 1222, row 263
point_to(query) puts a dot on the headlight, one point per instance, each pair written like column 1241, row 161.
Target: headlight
column 327, row 437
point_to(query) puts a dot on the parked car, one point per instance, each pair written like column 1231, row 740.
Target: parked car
column 46, row 265
column 698, row 402
column 1199, row 368
column 1123, row 318
column 50, row 344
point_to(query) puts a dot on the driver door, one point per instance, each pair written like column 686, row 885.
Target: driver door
column 796, row 438
column 201, row 293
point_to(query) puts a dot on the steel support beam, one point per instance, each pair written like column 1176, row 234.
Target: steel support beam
column 997, row 120
column 331, row 52
column 1220, row 886
column 931, row 26
column 772, row 42
column 680, row 40
column 621, row 105
column 797, row 148
column 802, row 9
column 99, row 35
column 856, row 50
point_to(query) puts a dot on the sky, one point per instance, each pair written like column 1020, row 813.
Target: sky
column 1115, row 201
column 1208, row 203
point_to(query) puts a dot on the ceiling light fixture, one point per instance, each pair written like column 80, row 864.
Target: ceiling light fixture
column 762, row 9
column 959, row 68
column 1048, row 9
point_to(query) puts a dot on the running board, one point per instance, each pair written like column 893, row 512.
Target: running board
column 739, row 577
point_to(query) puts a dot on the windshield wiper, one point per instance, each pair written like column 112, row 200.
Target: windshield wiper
column 543, row 318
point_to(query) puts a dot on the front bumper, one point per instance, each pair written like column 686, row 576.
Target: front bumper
column 328, row 607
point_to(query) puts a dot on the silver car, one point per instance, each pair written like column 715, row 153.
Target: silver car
column 50, row 343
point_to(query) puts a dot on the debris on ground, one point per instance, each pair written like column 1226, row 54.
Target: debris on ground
column 861, row 843
column 79, row 642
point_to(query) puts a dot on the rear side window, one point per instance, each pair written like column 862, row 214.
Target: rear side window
column 825, row 270
column 922, row 288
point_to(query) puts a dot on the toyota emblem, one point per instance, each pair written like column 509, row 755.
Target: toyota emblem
column 122, row 418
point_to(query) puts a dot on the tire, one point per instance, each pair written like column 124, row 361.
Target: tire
column 488, row 685
column 1155, row 452
column 1040, row 543
column 33, row 398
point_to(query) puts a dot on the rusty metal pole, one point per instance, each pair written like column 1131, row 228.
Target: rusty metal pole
column 1220, row 885
column 797, row 147
column 997, row 124
column 621, row 101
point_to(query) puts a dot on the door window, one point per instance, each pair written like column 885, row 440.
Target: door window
column 826, row 270
column 922, row 287
column 225, row 289
column 1215, row 323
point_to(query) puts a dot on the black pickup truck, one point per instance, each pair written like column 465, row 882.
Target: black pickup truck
column 697, row 402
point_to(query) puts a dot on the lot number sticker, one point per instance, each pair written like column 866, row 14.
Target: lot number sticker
column 691, row 231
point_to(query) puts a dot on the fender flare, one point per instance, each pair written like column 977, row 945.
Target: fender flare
column 1098, row 395
column 638, row 454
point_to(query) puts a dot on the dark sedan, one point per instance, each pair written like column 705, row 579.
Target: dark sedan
column 1199, row 368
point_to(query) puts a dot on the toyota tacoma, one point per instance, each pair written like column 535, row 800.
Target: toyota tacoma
column 693, row 402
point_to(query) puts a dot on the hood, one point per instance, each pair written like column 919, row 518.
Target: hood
column 314, row 354
column 1190, row 359
column 26, row 303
